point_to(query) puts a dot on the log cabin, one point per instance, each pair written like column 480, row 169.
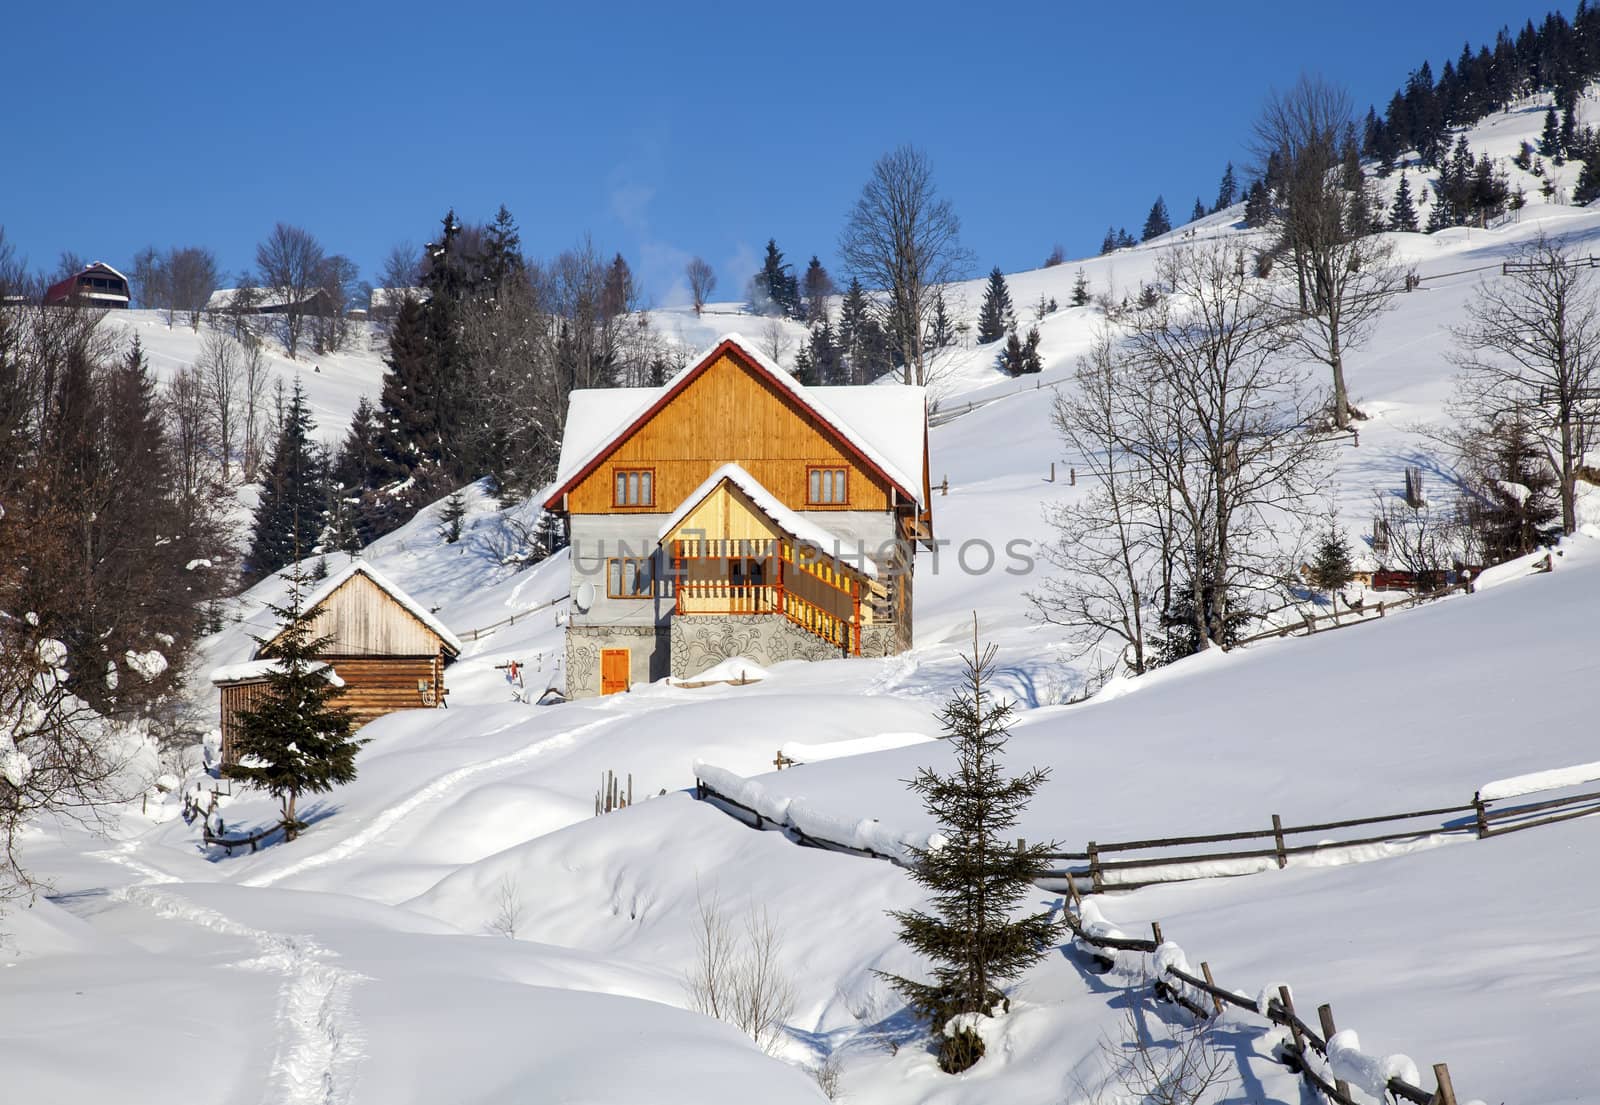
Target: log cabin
column 734, row 511
column 385, row 651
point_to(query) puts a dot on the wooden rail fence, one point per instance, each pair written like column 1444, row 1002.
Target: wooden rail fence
column 1280, row 1010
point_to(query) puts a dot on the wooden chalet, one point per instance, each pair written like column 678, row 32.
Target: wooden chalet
column 98, row 285
column 736, row 512
column 385, row 652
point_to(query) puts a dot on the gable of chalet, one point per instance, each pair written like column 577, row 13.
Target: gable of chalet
column 734, row 404
column 366, row 614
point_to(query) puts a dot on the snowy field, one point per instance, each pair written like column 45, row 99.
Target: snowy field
column 370, row 960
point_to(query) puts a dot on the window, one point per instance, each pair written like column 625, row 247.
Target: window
column 634, row 487
column 828, row 487
column 630, row 577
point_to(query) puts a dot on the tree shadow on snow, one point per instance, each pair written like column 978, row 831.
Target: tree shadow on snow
column 272, row 834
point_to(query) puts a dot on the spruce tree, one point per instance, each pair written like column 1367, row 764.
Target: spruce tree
column 1199, row 211
column 1031, row 360
column 818, row 287
column 853, row 343
column 1550, row 140
column 295, row 740
column 976, row 876
column 1125, row 240
column 1330, row 564
column 776, row 281
column 1157, row 222
column 1404, row 214
column 1109, row 242
column 1080, row 289
column 1228, row 190
column 1257, row 205
column 995, row 316
column 942, row 330
column 294, row 493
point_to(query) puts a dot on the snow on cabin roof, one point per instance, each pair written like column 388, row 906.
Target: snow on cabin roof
column 382, row 298
column 887, row 424
column 390, row 588
column 789, row 521
column 252, row 670
column 93, row 265
column 222, row 298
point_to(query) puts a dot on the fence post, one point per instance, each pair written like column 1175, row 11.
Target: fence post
column 1155, row 930
column 1483, row 818
column 1293, row 1022
column 1447, row 1092
column 1205, row 969
column 1094, row 867
column 1325, row 1016
column 1277, row 835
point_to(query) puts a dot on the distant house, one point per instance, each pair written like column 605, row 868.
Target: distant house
column 384, row 303
column 735, row 512
column 98, row 285
column 270, row 301
column 387, row 652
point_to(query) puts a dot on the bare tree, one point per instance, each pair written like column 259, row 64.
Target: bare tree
column 291, row 266
column 1532, row 346
column 1185, row 1068
column 191, row 275
column 1111, row 547
column 775, row 340
column 509, row 909
column 1353, row 281
column 1217, row 415
column 222, row 377
column 252, row 415
column 904, row 240
column 702, row 281
column 738, row 976
column 1343, row 276
column 330, row 319
column 189, row 426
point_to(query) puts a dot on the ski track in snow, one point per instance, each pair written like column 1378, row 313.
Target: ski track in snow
column 434, row 791
column 319, row 1044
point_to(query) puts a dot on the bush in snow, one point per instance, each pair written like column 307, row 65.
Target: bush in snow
column 738, row 976
column 975, row 876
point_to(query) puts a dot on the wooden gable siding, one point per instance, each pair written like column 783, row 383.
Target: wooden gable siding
column 725, row 514
column 363, row 620
column 726, row 414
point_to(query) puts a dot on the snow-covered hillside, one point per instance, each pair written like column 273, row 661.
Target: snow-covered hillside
column 369, row 960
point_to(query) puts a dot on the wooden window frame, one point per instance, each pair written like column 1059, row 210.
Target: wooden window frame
column 843, row 472
column 622, row 577
column 616, row 502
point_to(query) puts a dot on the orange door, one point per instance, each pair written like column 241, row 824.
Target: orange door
column 613, row 670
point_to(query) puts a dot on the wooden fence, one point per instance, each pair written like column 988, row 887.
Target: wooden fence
column 474, row 634
column 1280, row 1010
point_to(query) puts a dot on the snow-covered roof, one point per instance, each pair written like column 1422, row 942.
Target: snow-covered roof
column 222, row 298
column 789, row 521
column 390, row 588
column 102, row 265
column 887, row 424
column 390, row 297
column 251, row 670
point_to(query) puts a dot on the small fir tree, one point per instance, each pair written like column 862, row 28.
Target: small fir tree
column 1199, row 211
column 1158, row 222
column 295, row 740
column 1080, row 290
column 294, row 492
column 942, row 330
column 995, row 316
column 451, row 516
column 1228, row 190
column 1031, row 360
column 1012, row 360
column 1330, row 565
column 1403, row 216
column 976, row 876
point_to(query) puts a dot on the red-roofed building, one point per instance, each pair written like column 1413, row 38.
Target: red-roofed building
column 98, row 285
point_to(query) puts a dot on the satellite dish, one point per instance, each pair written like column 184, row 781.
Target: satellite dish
column 583, row 598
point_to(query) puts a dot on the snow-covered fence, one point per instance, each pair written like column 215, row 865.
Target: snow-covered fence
column 1344, row 1065
column 1496, row 808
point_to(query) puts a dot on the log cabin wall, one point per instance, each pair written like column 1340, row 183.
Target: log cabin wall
column 373, row 687
column 729, row 413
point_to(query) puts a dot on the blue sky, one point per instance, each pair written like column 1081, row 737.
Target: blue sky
column 661, row 130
